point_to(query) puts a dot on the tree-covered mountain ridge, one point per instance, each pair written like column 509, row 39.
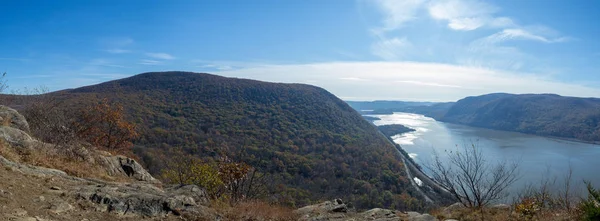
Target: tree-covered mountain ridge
column 539, row 114
column 312, row 144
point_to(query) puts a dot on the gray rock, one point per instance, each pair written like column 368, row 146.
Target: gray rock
column 380, row 214
column 332, row 210
column 33, row 170
column 25, row 219
column 61, row 207
column 19, row 212
column 198, row 195
column 16, row 137
column 454, row 207
column 423, row 217
column 13, row 118
column 121, row 165
column 144, row 199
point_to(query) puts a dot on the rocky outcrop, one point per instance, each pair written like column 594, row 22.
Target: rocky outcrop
column 141, row 198
column 145, row 199
column 336, row 210
column 12, row 118
column 16, row 137
column 32, row 170
column 121, row 165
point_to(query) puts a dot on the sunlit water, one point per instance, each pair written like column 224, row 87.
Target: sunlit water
column 538, row 157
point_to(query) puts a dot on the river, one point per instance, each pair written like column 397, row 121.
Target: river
column 538, row 157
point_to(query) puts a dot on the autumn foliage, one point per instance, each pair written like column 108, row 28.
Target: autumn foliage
column 104, row 125
column 225, row 180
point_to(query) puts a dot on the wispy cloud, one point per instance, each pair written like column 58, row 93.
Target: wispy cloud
column 118, row 51
column 397, row 40
column 353, row 79
column 397, row 13
column 163, row 56
column 105, row 63
column 444, row 82
column 217, row 67
column 433, row 84
column 150, row 62
column 520, row 34
column 34, row 76
column 465, row 15
column 390, row 49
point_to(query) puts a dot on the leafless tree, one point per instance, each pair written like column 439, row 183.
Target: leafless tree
column 3, row 85
column 471, row 178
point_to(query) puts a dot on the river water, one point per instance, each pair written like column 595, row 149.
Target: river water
column 538, row 157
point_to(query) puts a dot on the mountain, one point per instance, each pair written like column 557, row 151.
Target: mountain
column 539, row 114
column 432, row 109
column 384, row 105
column 314, row 145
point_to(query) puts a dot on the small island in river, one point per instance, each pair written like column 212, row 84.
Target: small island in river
column 394, row 129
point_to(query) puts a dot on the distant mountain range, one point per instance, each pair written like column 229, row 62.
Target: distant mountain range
column 314, row 145
column 539, row 114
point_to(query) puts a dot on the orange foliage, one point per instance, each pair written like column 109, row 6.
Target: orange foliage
column 104, row 125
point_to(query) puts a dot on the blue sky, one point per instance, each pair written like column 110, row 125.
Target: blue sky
column 358, row 50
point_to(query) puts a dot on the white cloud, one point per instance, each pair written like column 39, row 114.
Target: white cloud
column 104, row 62
column 353, row 79
column 410, row 80
column 397, row 12
column 390, row 49
column 463, row 15
column 163, row 56
column 217, row 67
column 117, row 51
column 520, row 34
column 502, row 22
column 466, row 24
column 433, row 84
column 150, row 62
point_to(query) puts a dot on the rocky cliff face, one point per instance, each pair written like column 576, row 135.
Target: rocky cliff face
column 30, row 192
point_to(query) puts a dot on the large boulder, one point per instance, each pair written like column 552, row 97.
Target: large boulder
column 16, row 137
column 11, row 118
column 125, row 166
column 145, row 199
column 336, row 210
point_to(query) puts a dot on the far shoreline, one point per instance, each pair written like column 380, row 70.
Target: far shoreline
column 555, row 138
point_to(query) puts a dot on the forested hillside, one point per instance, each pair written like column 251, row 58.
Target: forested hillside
column 541, row 114
column 312, row 144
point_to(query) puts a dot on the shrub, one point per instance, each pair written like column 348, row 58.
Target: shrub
column 528, row 208
column 590, row 208
column 224, row 180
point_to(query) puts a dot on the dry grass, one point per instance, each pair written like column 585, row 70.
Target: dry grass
column 491, row 214
column 7, row 152
column 256, row 210
column 50, row 157
column 73, row 167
